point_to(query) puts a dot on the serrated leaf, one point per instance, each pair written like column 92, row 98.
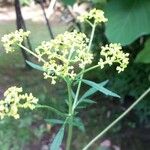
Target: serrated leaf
column 54, row 121
column 144, row 55
column 93, row 90
column 35, row 66
column 100, row 88
column 127, row 20
column 57, row 139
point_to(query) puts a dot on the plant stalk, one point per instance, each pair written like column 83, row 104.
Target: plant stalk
column 70, row 127
column 32, row 53
column 117, row 120
column 81, row 77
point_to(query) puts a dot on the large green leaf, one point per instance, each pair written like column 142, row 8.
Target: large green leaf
column 69, row 2
column 100, row 88
column 144, row 55
column 127, row 20
column 57, row 139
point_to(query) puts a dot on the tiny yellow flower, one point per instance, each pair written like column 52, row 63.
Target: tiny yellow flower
column 11, row 41
column 63, row 53
column 14, row 100
column 113, row 53
column 94, row 15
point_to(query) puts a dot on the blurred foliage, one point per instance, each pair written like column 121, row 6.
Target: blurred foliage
column 25, row 2
column 69, row 2
column 144, row 55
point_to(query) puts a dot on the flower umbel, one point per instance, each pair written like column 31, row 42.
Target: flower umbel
column 95, row 14
column 63, row 53
column 113, row 54
column 15, row 100
column 10, row 41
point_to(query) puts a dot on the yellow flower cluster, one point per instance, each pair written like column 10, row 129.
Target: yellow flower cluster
column 94, row 14
column 10, row 41
column 113, row 54
column 63, row 53
column 14, row 100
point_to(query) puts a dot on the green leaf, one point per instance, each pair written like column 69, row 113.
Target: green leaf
column 144, row 55
column 98, row 1
column 79, row 124
column 69, row 2
column 54, row 121
column 57, row 139
column 100, row 88
column 35, row 66
column 73, row 94
column 76, row 122
column 93, row 90
column 127, row 20
column 83, row 103
column 88, row 101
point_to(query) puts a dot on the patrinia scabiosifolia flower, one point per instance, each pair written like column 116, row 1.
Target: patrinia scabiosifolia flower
column 113, row 53
column 15, row 100
column 93, row 15
column 63, row 53
column 11, row 41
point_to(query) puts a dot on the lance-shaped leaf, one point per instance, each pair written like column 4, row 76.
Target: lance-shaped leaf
column 100, row 88
column 54, row 121
column 35, row 66
column 57, row 139
column 79, row 124
column 92, row 90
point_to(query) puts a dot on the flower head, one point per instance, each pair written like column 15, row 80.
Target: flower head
column 14, row 100
column 95, row 14
column 11, row 41
column 113, row 54
column 63, row 53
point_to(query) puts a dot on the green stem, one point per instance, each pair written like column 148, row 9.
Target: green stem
column 81, row 77
column 70, row 127
column 32, row 53
column 69, row 137
column 52, row 109
column 87, row 70
column 117, row 120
